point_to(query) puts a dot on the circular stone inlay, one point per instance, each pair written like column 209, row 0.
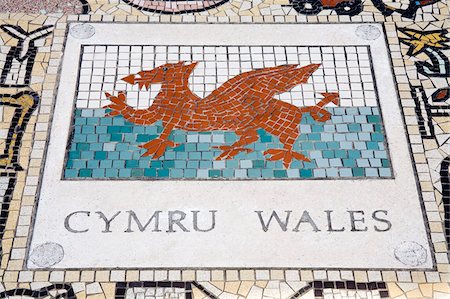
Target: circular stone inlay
column 47, row 254
column 368, row 32
column 82, row 31
column 411, row 254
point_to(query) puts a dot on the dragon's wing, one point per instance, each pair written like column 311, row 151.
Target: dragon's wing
column 268, row 81
column 243, row 80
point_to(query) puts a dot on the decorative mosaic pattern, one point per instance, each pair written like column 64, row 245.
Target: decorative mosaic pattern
column 343, row 69
column 344, row 142
column 24, row 103
column 174, row 7
column 19, row 62
column 426, row 118
column 7, row 184
column 51, row 291
column 350, row 145
column 347, row 289
column 160, row 289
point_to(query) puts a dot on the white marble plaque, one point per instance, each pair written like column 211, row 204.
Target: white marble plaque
column 333, row 216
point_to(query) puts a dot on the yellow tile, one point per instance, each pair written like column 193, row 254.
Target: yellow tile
column 394, row 290
column 132, row 275
column 443, row 268
column 188, row 275
column 441, row 287
column 20, row 242
column 418, row 277
column 217, row 275
column 102, row 276
column 72, row 276
column 82, row 295
column 414, row 294
column 261, row 283
column 426, row 289
column 245, row 287
column 24, row 285
column 360, row 276
column 276, row 274
column 197, row 294
column 445, row 277
column 41, row 276
column 109, row 289
column 10, row 285
column 218, row 284
column 232, row 287
column 10, row 276
column 87, row 276
column 247, row 275
column 306, row 275
column 15, row 265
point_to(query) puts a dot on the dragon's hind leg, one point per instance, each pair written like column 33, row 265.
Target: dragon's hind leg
column 284, row 123
column 247, row 137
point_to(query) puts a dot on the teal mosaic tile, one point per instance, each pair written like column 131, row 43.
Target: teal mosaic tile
column 350, row 145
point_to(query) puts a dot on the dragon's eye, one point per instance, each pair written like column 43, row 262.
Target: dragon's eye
column 164, row 68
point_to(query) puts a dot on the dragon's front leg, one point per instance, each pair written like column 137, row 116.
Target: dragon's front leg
column 119, row 106
column 158, row 146
column 155, row 147
column 246, row 137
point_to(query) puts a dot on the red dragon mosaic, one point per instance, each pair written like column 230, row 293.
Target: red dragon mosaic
column 243, row 104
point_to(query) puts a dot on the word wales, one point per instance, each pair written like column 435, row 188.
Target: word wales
column 206, row 221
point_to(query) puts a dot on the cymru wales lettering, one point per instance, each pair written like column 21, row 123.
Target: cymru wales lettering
column 173, row 221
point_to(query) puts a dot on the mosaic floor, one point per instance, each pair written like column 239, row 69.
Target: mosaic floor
column 224, row 149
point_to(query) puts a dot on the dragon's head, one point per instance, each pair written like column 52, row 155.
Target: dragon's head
column 169, row 72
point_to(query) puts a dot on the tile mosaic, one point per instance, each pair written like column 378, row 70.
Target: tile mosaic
column 104, row 152
column 174, row 7
column 312, row 7
column 160, row 289
column 432, row 43
column 51, row 291
column 16, row 71
column 7, row 183
column 406, row 11
column 423, row 98
column 24, row 103
column 340, row 141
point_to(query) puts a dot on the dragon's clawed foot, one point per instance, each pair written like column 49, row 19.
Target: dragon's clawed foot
column 230, row 151
column 286, row 155
column 118, row 104
column 157, row 147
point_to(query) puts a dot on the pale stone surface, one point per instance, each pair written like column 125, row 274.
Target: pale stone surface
column 110, row 10
column 249, row 196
